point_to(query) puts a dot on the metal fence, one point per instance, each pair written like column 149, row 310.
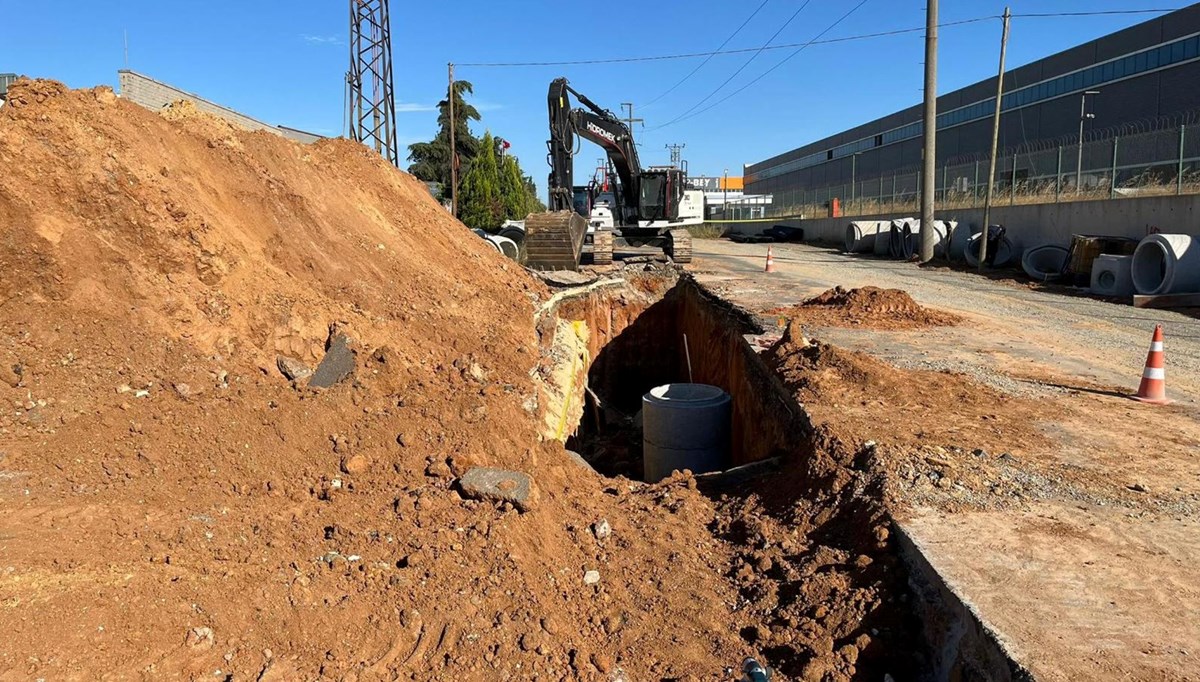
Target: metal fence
column 1136, row 159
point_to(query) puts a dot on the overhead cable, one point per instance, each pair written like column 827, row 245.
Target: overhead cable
column 708, row 58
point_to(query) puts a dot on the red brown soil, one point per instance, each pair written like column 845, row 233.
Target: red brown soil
column 177, row 255
column 940, row 438
column 171, row 507
column 887, row 309
column 861, row 397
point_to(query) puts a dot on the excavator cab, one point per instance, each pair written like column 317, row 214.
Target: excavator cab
column 583, row 198
column 660, row 194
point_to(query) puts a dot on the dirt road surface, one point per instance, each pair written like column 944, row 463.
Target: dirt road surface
column 1088, row 565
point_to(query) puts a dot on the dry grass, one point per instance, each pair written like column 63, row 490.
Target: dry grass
column 707, row 231
column 1026, row 194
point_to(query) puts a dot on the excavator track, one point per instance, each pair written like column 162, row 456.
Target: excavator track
column 554, row 240
column 602, row 247
column 679, row 246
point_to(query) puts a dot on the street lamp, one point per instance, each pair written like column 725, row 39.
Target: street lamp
column 1083, row 116
column 725, row 207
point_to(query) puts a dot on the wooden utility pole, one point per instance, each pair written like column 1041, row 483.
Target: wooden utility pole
column 453, row 149
column 929, row 162
column 991, row 176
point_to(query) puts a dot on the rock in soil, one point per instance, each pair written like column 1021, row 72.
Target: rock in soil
column 292, row 369
column 338, row 364
column 499, row 485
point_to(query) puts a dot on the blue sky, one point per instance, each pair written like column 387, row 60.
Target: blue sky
column 284, row 62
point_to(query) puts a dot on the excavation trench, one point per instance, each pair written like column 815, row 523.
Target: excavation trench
column 832, row 588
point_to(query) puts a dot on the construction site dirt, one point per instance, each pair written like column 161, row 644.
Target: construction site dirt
column 173, row 505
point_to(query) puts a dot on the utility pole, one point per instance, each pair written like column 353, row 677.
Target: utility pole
column 991, row 177
column 676, row 154
column 929, row 162
column 372, row 102
column 1083, row 116
column 629, row 119
column 453, row 147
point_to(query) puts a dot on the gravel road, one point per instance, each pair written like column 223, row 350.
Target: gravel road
column 1058, row 329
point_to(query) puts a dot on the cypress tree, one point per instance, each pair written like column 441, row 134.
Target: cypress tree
column 480, row 203
column 513, row 191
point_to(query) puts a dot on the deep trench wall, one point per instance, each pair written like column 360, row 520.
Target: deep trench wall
column 635, row 341
column 767, row 422
column 628, row 343
column 575, row 327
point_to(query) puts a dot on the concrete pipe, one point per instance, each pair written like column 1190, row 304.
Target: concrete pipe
column 958, row 240
column 488, row 238
column 897, row 238
column 685, row 426
column 1044, row 263
column 912, row 239
column 513, row 230
column 1112, row 276
column 1166, row 264
column 1006, row 252
column 883, row 238
column 861, row 234
column 506, row 246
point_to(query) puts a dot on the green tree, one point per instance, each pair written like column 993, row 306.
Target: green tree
column 431, row 160
column 480, row 203
column 513, row 190
column 535, row 203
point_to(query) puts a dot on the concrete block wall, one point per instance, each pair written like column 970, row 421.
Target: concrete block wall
column 1036, row 224
column 153, row 94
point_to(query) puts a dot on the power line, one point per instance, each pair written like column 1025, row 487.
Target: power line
column 693, row 55
column 828, row 41
column 709, row 57
column 768, row 71
column 743, row 66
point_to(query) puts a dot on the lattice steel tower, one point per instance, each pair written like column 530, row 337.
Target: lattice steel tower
column 372, row 104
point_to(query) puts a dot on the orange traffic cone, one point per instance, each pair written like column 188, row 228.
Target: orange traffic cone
column 1154, row 387
column 770, row 262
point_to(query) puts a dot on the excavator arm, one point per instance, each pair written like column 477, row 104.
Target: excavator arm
column 599, row 126
column 554, row 240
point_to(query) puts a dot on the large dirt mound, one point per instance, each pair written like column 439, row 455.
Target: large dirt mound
column 171, row 506
column 867, row 307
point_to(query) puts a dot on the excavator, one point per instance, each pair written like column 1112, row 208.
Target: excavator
column 644, row 204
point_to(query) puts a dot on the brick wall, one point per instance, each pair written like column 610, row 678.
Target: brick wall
column 155, row 95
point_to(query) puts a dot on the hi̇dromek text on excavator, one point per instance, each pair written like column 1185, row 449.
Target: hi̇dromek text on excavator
column 645, row 203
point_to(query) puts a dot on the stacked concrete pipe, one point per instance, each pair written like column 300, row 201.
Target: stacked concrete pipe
column 861, row 235
column 1166, row 264
column 1043, row 263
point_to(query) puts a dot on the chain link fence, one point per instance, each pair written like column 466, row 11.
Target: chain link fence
column 1142, row 158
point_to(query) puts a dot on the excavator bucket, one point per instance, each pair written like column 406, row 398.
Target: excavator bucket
column 554, row 240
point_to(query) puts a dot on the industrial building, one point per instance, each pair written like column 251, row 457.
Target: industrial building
column 1147, row 72
column 5, row 80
